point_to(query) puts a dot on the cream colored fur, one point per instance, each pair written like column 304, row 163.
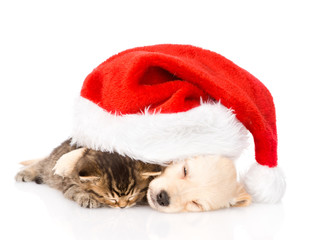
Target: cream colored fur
column 210, row 183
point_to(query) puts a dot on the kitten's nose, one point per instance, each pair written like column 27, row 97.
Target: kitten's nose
column 122, row 204
column 163, row 199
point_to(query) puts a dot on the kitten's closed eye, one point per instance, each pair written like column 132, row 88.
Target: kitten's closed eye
column 112, row 200
column 131, row 198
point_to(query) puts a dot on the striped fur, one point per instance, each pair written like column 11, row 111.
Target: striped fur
column 97, row 179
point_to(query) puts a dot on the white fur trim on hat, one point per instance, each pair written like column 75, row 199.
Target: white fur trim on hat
column 209, row 129
column 264, row 184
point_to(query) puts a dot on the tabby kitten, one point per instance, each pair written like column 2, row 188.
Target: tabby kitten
column 97, row 178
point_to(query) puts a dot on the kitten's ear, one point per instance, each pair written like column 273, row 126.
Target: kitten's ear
column 150, row 174
column 66, row 163
column 91, row 179
column 242, row 199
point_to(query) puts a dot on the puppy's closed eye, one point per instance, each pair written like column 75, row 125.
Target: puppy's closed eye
column 184, row 171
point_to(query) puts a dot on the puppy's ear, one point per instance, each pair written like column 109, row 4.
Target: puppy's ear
column 66, row 163
column 146, row 175
column 242, row 199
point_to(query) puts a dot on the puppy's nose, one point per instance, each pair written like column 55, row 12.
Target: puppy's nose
column 163, row 199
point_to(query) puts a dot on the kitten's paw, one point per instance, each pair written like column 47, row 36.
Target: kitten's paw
column 25, row 176
column 84, row 200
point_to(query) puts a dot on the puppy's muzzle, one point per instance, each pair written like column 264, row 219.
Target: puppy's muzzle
column 163, row 199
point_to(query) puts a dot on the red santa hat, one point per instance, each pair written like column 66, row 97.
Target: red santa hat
column 165, row 103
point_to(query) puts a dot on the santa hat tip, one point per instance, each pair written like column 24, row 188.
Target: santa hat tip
column 264, row 184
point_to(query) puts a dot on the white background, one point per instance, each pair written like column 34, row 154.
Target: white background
column 48, row 47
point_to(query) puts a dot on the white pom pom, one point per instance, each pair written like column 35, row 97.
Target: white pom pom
column 264, row 184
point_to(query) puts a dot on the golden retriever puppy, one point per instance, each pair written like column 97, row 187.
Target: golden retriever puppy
column 197, row 184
